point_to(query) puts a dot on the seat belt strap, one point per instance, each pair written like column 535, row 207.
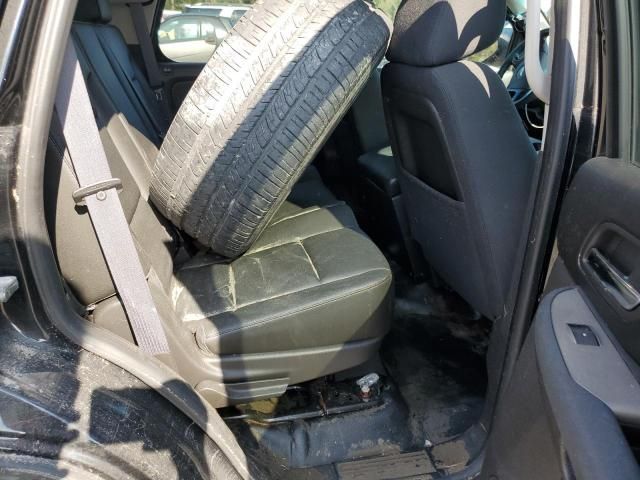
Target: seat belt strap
column 150, row 61
column 146, row 48
column 98, row 191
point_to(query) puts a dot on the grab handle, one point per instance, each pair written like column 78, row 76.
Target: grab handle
column 612, row 281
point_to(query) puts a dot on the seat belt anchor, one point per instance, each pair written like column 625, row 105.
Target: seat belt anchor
column 98, row 189
column 159, row 94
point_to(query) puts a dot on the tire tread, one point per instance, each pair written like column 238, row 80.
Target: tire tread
column 259, row 111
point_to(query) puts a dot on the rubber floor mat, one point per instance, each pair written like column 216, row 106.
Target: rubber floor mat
column 435, row 353
column 415, row 466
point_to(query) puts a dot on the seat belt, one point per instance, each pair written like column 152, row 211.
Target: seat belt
column 120, row 71
column 146, row 48
column 98, row 191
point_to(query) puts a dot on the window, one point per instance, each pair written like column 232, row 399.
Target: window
column 192, row 32
column 214, row 26
column 182, row 29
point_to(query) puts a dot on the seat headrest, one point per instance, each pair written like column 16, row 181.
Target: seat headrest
column 93, row 11
column 428, row 33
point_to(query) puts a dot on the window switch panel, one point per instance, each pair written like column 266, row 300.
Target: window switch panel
column 583, row 335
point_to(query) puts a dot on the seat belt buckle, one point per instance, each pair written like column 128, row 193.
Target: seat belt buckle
column 159, row 94
column 98, row 189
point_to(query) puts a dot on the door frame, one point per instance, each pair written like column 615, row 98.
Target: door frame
column 571, row 83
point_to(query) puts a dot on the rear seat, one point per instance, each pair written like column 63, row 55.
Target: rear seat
column 106, row 53
column 311, row 297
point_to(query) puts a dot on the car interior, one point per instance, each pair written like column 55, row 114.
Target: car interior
column 360, row 323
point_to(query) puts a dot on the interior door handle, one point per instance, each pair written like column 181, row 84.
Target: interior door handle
column 612, row 281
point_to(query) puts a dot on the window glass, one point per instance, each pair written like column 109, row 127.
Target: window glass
column 179, row 30
column 208, row 26
column 191, row 31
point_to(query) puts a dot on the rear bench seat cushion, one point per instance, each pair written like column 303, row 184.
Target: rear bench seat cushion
column 312, row 279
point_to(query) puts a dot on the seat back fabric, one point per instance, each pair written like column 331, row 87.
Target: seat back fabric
column 465, row 162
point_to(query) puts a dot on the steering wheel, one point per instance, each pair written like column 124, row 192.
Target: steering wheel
column 529, row 107
column 518, row 86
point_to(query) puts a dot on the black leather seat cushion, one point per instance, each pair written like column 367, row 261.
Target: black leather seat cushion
column 313, row 279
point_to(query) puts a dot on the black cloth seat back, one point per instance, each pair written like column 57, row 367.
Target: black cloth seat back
column 465, row 162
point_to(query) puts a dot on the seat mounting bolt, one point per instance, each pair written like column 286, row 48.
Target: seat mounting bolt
column 365, row 383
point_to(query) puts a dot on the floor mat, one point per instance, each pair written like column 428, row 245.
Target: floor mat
column 415, row 465
column 435, row 354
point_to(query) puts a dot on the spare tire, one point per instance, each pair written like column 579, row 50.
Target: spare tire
column 259, row 112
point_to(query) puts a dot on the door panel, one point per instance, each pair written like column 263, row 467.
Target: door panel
column 548, row 425
column 602, row 220
column 572, row 407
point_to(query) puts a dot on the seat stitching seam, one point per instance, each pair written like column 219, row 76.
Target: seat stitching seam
column 232, row 286
column 204, row 262
column 306, row 211
column 249, row 304
column 266, row 248
column 313, row 267
column 311, row 307
column 295, row 240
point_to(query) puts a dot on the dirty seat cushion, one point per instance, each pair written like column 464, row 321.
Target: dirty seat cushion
column 313, row 279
